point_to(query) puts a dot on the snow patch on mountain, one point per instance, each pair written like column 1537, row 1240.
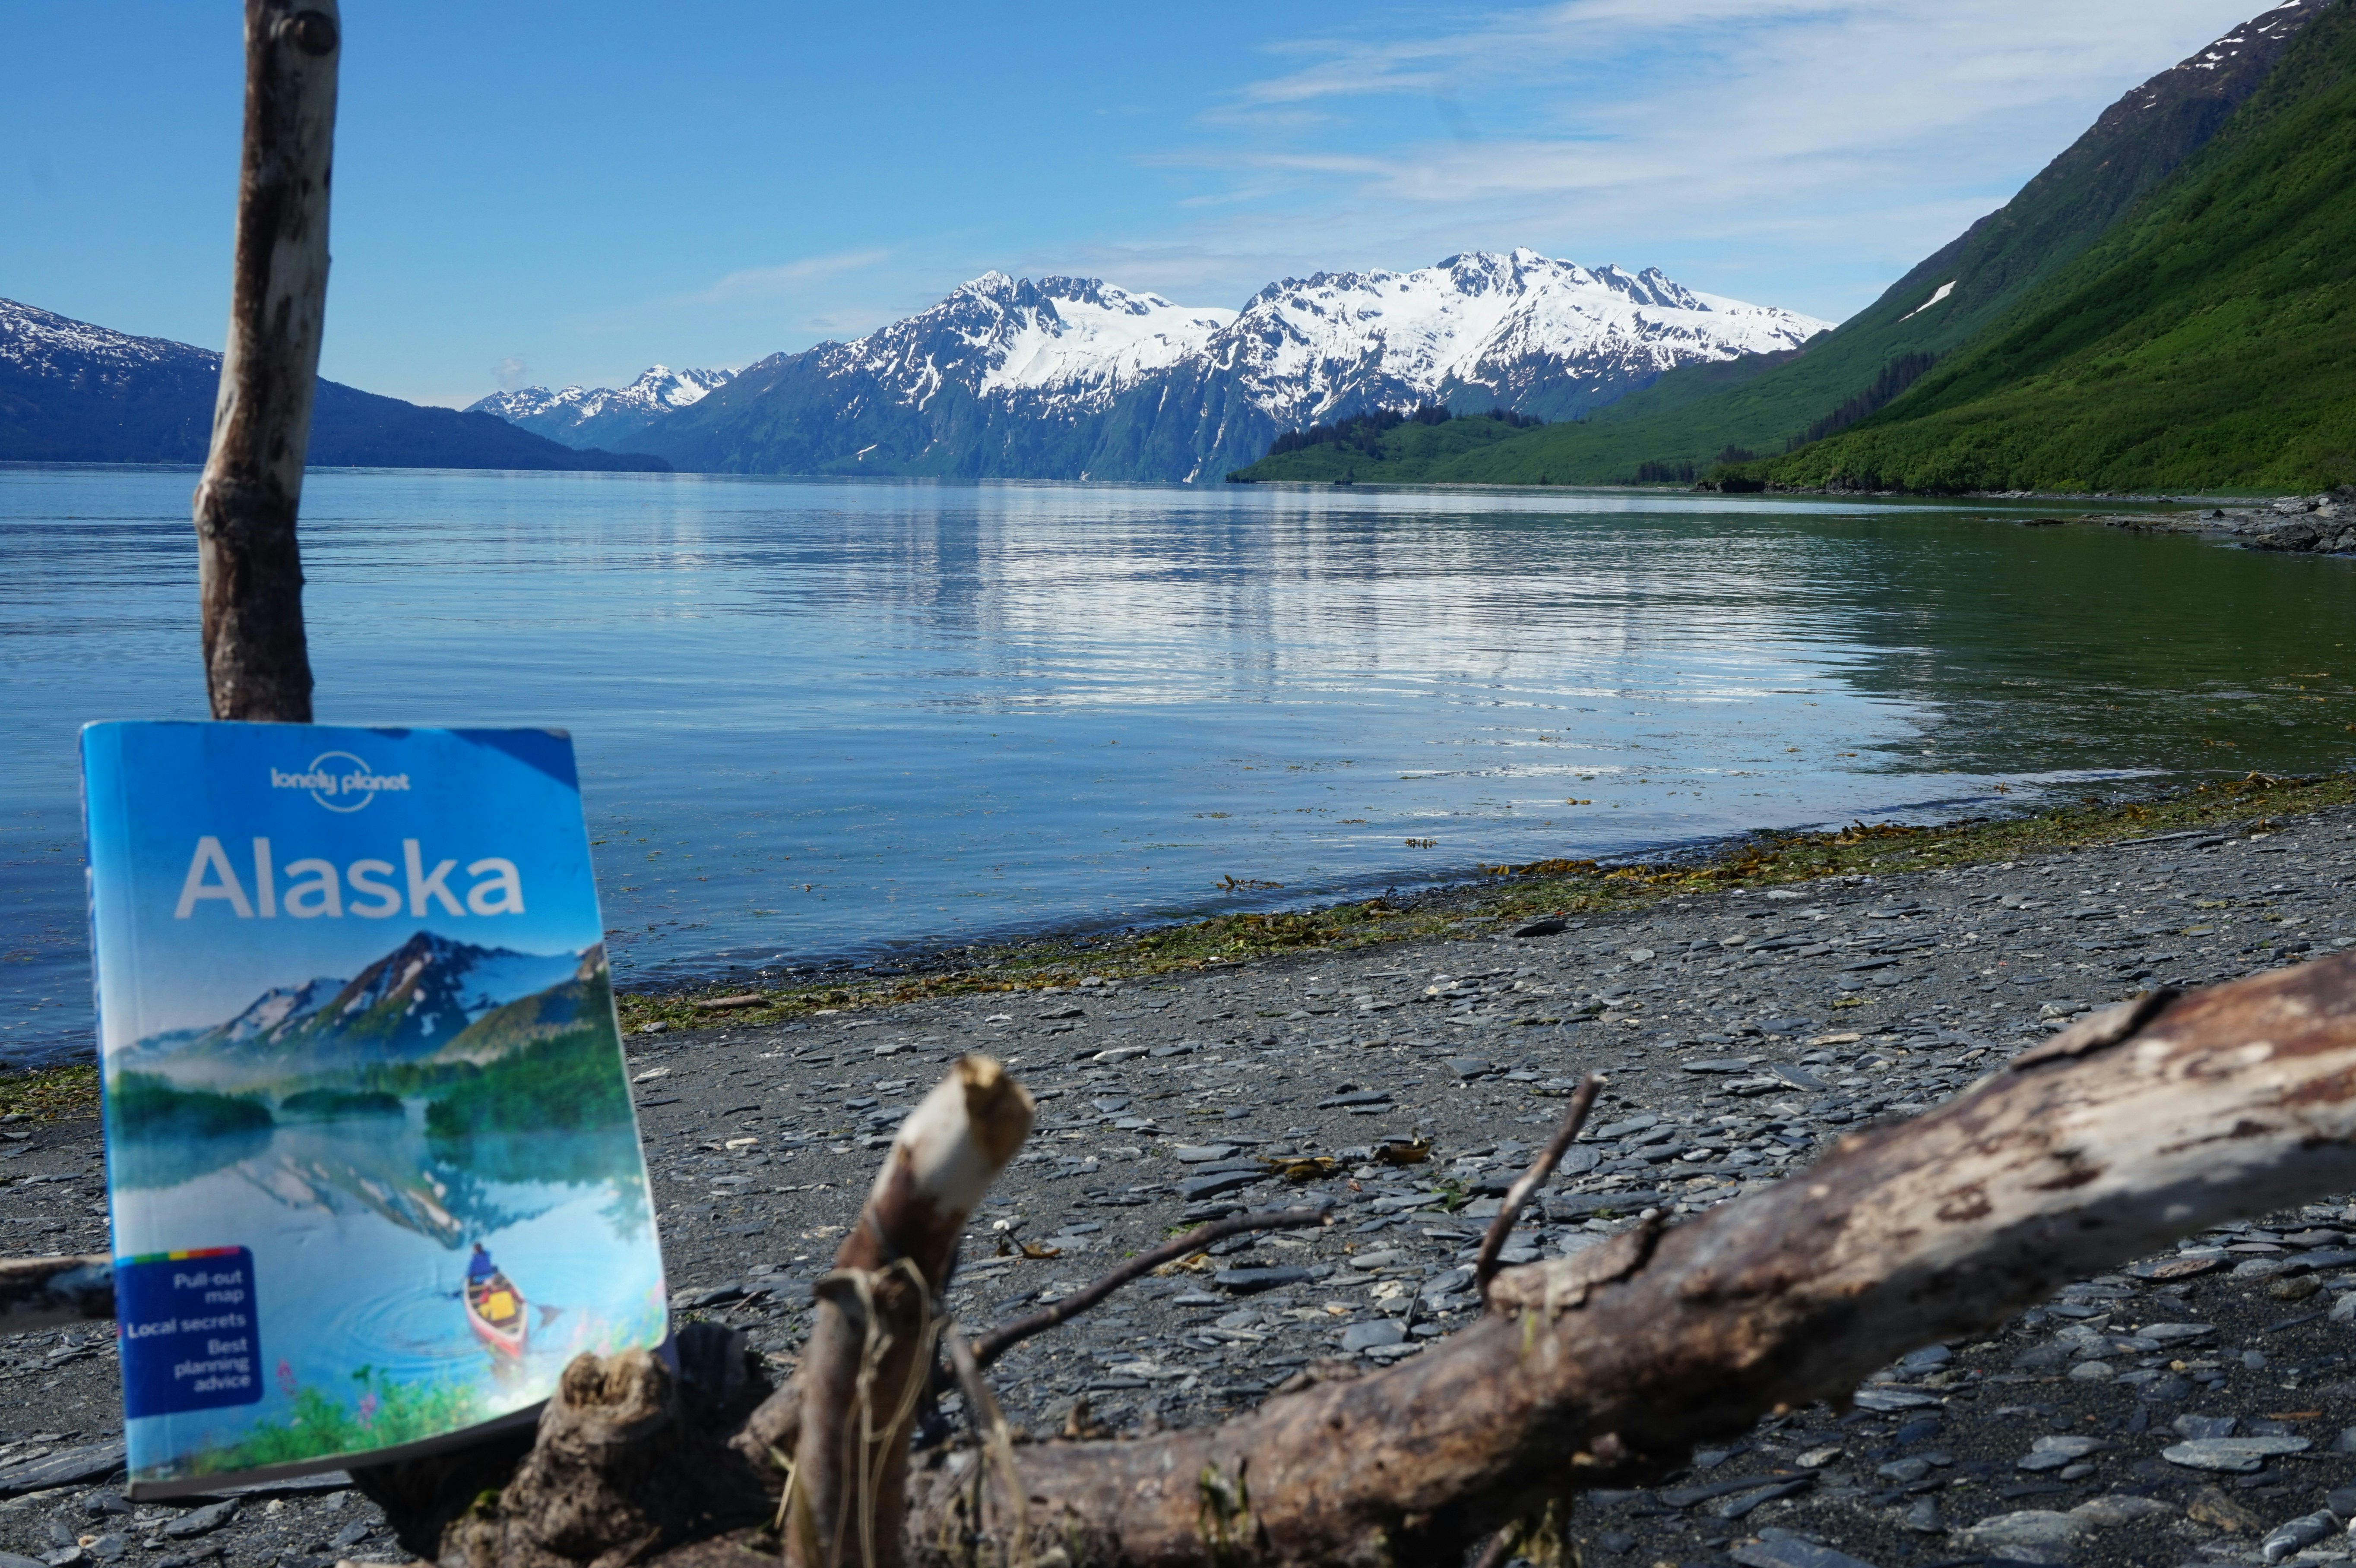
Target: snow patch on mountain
column 40, row 342
column 1336, row 342
column 659, row 390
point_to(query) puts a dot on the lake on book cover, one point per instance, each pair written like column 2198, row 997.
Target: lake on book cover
column 419, row 1264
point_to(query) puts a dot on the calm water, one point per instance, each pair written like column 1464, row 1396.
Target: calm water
column 820, row 720
column 359, row 1231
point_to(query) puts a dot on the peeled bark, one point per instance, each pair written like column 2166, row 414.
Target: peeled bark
column 250, row 572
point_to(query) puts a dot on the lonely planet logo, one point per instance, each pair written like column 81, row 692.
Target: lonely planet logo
column 338, row 780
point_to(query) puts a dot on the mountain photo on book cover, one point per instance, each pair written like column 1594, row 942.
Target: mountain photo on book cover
column 406, row 1147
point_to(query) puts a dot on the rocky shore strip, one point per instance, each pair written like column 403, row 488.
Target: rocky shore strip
column 2194, row 1408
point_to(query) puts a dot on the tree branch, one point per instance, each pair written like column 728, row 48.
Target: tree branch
column 250, row 572
column 1485, row 1267
column 1000, row 1340
column 845, row 1419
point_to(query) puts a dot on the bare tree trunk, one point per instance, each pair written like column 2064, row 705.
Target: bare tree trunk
column 250, row 573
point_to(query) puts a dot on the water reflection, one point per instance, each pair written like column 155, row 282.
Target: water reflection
column 821, row 718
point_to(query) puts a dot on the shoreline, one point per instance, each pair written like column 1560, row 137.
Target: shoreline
column 1507, row 895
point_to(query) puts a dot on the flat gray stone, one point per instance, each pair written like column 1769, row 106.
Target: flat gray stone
column 64, row 1467
column 1252, row 1280
column 2123, row 1508
column 2053, row 1452
column 2032, row 1535
column 2175, row 1333
column 1360, row 1337
column 203, row 1520
column 2233, row 1455
column 1786, row 1551
column 1889, row 1399
column 1201, row 1154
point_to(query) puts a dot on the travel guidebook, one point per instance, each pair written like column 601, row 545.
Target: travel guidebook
column 370, row 1151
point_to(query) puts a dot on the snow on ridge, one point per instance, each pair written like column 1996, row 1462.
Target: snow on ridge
column 1076, row 340
column 659, row 389
column 1313, row 344
column 30, row 337
column 1305, row 344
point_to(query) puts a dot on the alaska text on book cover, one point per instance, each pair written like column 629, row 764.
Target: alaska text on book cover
column 373, row 1168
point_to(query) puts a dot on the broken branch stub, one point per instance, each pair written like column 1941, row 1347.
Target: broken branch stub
column 1605, row 1368
column 870, row 1348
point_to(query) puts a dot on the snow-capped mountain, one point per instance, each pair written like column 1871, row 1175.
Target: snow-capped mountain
column 1518, row 330
column 74, row 392
column 601, row 416
column 411, row 1002
column 279, row 1010
column 421, row 995
column 1071, row 378
column 1079, row 341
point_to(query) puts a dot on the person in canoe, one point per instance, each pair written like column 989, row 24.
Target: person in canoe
column 495, row 1307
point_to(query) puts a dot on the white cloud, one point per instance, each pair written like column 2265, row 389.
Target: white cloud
column 792, row 277
column 1802, row 150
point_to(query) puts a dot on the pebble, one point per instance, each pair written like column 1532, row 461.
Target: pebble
column 2233, row 1455
column 2053, row 1452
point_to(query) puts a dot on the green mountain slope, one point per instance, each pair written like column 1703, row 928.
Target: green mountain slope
column 1762, row 403
column 2203, row 344
column 1406, row 455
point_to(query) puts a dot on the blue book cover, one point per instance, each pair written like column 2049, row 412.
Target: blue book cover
column 372, row 1164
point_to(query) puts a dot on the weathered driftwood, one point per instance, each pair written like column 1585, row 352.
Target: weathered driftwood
column 1604, row 1369
column 870, row 1352
column 250, row 573
column 43, row 1293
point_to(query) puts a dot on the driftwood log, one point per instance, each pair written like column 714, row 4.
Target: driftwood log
column 250, row 573
column 2160, row 1117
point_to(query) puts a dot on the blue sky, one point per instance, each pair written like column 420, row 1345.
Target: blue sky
column 542, row 193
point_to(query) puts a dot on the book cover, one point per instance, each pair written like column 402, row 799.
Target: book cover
column 372, row 1164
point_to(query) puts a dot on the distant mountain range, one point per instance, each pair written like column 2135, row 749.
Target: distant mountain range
column 610, row 417
column 1971, row 290
column 72, row 392
column 1074, row 378
column 431, row 999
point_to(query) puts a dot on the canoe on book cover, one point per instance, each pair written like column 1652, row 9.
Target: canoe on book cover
column 495, row 1310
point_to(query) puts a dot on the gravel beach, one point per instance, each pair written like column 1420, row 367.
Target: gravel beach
column 2182, row 1410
